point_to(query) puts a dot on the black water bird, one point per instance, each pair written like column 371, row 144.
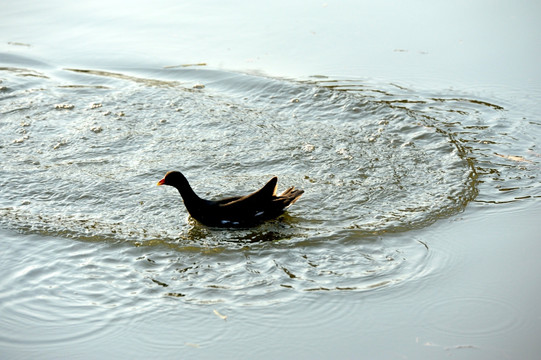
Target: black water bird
column 233, row 212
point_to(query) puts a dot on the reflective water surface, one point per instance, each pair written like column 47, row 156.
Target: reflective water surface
column 418, row 206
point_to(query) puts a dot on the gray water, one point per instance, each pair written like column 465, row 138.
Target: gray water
column 415, row 236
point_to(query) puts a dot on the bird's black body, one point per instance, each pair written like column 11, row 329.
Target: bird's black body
column 238, row 211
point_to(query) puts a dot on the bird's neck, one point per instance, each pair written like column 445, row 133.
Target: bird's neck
column 187, row 193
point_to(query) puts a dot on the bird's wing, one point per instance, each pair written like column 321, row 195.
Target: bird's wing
column 267, row 192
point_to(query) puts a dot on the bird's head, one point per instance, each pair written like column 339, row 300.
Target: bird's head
column 172, row 178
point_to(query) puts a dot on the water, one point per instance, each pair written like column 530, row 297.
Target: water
column 404, row 238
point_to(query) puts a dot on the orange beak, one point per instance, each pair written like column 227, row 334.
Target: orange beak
column 161, row 182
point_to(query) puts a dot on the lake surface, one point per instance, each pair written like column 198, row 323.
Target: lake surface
column 413, row 129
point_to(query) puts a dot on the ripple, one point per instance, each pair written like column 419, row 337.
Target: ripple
column 49, row 302
column 379, row 164
column 373, row 160
column 37, row 321
column 471, row 316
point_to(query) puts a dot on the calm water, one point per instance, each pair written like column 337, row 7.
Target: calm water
column 416, row 236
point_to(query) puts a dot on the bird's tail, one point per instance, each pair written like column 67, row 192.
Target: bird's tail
column 289, row 196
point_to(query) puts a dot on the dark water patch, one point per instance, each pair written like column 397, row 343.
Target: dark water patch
column 131, row 78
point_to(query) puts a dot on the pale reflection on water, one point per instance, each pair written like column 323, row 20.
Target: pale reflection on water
column 417, row 202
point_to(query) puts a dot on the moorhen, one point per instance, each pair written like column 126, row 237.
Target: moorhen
column 237, row 211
